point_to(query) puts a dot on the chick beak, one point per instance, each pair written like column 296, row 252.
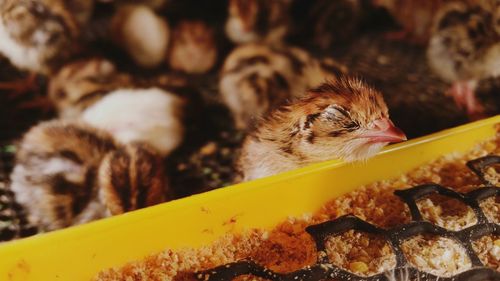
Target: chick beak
column 384, row 131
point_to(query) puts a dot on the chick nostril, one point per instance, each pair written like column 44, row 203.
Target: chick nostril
column 382, row 124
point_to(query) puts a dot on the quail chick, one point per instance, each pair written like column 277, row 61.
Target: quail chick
column 69, row 173
column 130, row 109
column 142, row 33
column 465, row 48
column 257, row 78
column 39, row 35
column 193, row 48
column 327, row 22
column 414, row 16
column 343, row 119
column 150, row 115
column 131, row 178
column 258, row 21
column 81, row 83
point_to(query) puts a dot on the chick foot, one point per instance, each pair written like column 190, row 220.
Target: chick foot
column 464, row 95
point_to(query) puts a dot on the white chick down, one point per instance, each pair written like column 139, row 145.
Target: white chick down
column 152, row 116
column 142, row 33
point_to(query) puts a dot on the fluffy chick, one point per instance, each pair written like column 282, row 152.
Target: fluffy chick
column 343, row 119
column 130, row 109
column 257, row 78
column 69, row 173
column 193, row 48
column 258, row 20
column 81, row 83
column 414, row 16
column 464, row 48
column 152, row 115
column 327, row 22
column 39, row 35
column 142, row 33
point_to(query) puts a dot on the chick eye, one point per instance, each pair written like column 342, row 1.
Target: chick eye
column 351, row 126
column 335, row 113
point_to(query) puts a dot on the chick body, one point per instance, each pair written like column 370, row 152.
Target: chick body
column 465, row 44
column 79, row 84
column 152, row 116
column 142, row 33
column 62, row 175
column 258, row 21
column 257, row 78
column 40, row 35
column 465, row 48
column 193, row 48
column 415, row 16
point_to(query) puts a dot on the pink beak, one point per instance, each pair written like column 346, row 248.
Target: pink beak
column 384, row 131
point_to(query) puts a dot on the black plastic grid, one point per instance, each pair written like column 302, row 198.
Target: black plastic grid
column 323, row 269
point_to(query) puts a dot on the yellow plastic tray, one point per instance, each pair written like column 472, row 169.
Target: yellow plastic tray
column 78, row 253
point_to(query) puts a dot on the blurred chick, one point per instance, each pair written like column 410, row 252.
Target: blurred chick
column 257, row 78
column 193, row 48
column 153, row 4
column 343, row 119
column 39, row 35
column 152, row 115
column 69, row 173
column 486, row 96
column 142, row 33
column 81, row 83
column 258, row 21
column 327, row 22
column 465, row 48
column 414, row 16
column 130, row 109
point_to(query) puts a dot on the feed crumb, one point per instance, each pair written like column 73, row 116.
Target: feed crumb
column 488, row 250
column 446, row 212
column 440, row 256
column 491, row 208
column 361, row 253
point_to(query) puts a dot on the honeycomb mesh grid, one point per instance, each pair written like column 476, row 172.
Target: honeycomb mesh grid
column 323, row 269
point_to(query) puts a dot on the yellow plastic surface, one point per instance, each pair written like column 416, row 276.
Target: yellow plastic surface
column 78, row 253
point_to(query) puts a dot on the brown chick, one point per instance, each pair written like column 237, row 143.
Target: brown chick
column 79, row 84
column 342, row 119
column 131, row 178
column 39, row 35
column 327, row 22
column 142, row 33
column 69, row 173
column 132, row 110
column 193, row 48
column 258, row 21
column 414, row 16
column 465, row 48
column 257, row 78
